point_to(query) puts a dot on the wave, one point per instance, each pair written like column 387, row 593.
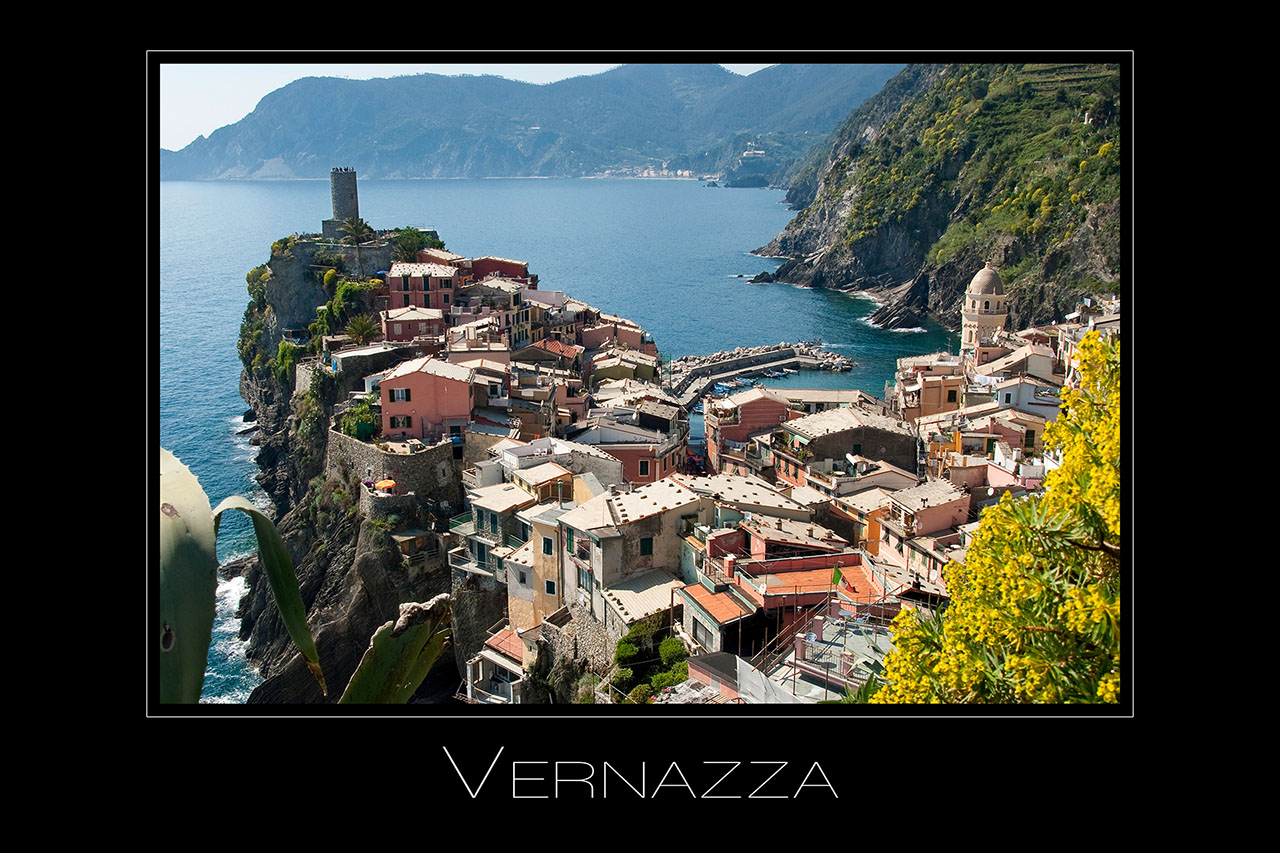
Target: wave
column 911, row 330
column 228, row 677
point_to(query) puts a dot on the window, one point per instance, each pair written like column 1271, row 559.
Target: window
column 1008, row 397
column 550, row 587
column 396, row 328
column 407, row 303
column 644, row 467
column 646, row 546
column 446, row 299
column 951, row 395
column 1030, row 439
column 401, row 421
column 494, row 389
column 404, row 283
column 523, row 581
column 399, row 395
column 584, row 579
column 701, row 635
column 548, row 547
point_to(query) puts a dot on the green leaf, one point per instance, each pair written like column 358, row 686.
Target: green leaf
column 400, row 654
column 284, row 583
column 188, row 581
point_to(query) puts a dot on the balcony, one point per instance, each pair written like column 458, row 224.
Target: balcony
column 463, row 525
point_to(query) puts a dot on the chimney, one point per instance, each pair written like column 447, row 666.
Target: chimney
column 729, row 566
column 779, row 523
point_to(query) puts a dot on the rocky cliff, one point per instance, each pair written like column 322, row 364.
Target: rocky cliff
column 350, row 570
column 952, row 166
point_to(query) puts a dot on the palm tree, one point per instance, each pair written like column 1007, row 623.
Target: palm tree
column 362, row 329
column 357, row 231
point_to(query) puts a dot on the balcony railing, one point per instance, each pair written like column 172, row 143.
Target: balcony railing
column 463, row 525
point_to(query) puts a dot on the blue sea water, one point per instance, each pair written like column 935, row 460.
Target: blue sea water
column 674, row 256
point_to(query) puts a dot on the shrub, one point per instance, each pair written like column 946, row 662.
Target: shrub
column 677, row 674
column 622, row 679
column 640, row 694
column 672, row 651
column 625, row 652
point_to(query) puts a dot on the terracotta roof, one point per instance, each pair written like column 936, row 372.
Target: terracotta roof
column 554, row 346
column 856, row 584
column 801, row 581
column 720, row 606
column 508, row 643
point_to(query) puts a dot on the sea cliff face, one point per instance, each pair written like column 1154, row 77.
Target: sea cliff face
column 954, row 166
column 350, row 570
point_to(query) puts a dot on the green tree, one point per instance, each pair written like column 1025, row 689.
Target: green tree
column 1035, row 607
column 358, row 231
column 362, row 329
column 409, row 240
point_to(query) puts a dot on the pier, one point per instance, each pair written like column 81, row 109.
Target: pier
column 691, row 376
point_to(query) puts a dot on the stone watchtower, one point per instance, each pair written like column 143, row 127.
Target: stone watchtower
column 985, row 311
column 346, row 202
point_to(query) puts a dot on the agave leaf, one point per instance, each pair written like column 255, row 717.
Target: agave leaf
column 400, row 655
column 188, row 581
column 284, row 583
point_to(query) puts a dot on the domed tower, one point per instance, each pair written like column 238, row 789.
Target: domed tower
column 985, row 311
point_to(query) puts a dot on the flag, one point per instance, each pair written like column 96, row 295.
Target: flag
column 835, row 577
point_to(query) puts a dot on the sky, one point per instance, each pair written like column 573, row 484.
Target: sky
column 197, row 99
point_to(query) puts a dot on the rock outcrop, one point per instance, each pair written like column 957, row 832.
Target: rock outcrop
column 350, row 570
column 951, row 167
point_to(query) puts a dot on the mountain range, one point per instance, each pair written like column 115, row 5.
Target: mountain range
column 699, row 118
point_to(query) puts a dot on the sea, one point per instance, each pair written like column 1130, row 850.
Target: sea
column 671, row 255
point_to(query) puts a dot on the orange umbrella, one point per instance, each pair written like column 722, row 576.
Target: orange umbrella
column 385, row 484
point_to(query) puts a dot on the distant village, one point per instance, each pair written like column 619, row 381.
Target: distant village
column 591, row 528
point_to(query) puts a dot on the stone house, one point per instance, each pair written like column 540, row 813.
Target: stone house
column 832, row 434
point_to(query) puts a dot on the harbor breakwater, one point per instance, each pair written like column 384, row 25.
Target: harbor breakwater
column 689, row 375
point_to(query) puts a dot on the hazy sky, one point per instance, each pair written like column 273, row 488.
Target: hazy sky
column 196, row 100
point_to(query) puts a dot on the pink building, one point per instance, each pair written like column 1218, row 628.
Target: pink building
column 504, row 267
column 732, row 421
column 405, row 324
column 422, row 286
column 426, row 398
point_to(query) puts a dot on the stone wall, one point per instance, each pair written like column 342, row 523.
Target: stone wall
column 356, row 368
column 432, row 474
column 479, row 602
column 579, row 638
